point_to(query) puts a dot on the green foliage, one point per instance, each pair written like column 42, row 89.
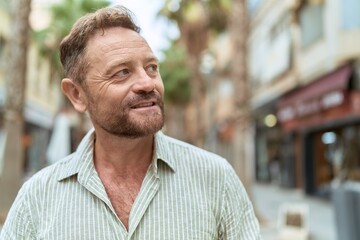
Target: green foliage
column 64, row 14
column 176, row 75
column 5, row 4
column 219, row 11
column 216, row 12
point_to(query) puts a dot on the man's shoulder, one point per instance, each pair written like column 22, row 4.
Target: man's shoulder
column 49, row 174
column 183, row 151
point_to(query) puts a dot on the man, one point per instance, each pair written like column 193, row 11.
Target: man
column 127, row 180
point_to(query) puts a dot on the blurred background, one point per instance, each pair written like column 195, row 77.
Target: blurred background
column 271, row 85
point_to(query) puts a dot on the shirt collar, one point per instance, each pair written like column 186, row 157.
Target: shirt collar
column 82, row 160
column 163, row 150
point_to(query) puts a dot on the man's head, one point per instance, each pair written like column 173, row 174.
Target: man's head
column 73, row 46
column 113, row 74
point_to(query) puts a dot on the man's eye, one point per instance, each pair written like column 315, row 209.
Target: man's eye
column 153, row 68
column 122, row 73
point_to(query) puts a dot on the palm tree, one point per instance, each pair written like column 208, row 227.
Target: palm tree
column 15, row 76
column 63, row 16
column 197, row 20
column 176, row 75
column 242, row 151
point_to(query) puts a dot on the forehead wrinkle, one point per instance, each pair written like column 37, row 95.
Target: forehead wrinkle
column 121, row 45
column 119, row 51
column 124, row 51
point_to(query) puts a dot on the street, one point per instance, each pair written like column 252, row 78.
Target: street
column 268, row 200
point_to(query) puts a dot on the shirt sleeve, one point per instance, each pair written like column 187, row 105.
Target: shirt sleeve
column 18, row 224
column 238, row 220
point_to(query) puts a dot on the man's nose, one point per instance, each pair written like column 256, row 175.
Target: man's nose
column 143, row 82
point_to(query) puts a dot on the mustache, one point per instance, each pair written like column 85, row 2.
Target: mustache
column 145, row 96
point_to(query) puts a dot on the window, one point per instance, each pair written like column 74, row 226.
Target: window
column 350, row 17
column 311, row 23
column 282, row 27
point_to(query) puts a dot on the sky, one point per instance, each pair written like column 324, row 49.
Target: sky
column 156, row 30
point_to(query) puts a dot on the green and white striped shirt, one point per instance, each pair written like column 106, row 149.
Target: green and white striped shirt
column 187, row 193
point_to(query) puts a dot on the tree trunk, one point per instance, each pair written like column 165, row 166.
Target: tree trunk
column 198, row 93
column 238, row 32
column 194, row 34
column 243, row 141
column 12, row 156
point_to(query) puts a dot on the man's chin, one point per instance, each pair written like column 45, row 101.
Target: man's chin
column 140, row 129
column 145, row 114
column 138, row 133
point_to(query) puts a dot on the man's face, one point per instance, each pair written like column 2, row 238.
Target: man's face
column 119, row 85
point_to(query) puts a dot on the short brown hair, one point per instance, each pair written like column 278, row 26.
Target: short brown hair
column 72, row 47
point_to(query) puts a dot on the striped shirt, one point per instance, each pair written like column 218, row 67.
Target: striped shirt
column 187, row 193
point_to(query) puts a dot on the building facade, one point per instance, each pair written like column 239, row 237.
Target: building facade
column 42, row 101
column 304, row 70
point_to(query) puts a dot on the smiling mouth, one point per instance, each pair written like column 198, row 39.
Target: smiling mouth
column 144, row 105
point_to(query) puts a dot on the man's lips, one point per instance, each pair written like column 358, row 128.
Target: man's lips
column 144, row 104
column 145, row 101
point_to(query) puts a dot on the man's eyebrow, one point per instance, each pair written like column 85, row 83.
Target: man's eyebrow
column 109, row 68
column 151, row 58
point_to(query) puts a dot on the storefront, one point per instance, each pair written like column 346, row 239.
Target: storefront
column 267, row 144
column 37, row 129
column 319, row 120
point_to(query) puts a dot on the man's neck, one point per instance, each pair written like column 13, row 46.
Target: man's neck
column 122, row 155
column 121, row 164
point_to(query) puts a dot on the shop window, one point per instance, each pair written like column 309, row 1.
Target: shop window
column 343, row 153
column 350, row 17
column 355, row 79
column 334, row 150
column 35, row 141
column 329, row 138
column 311, row 22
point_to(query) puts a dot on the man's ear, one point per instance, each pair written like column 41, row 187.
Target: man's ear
column 74, row 93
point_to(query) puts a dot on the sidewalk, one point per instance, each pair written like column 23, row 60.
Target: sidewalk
column 268, row 199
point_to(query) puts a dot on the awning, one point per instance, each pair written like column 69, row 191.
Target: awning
column 321, row 94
